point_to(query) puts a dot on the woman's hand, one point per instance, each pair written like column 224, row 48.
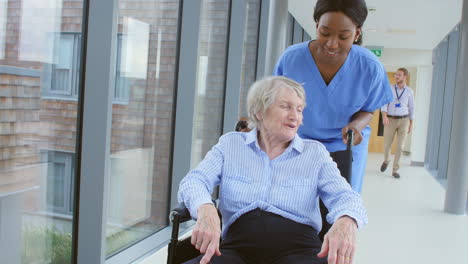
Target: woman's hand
column 339, row 242
column 207, row 232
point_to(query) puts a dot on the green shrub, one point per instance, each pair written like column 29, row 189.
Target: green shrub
column 45, row 245
column 52, row 246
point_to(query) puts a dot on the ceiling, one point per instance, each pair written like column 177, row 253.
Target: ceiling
column 402, row 24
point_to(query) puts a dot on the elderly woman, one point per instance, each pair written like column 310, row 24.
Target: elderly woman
column 271, row 181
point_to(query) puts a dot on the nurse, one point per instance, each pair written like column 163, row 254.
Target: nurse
column 344, row 82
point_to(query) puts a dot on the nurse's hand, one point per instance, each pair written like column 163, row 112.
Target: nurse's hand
column 356, row 132
column 207, row 232
column 359, row 121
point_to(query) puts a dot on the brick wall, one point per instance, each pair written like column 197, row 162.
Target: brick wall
column 19, row 125
column 19, row 120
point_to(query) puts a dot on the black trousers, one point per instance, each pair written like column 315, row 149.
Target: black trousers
column 260, row 237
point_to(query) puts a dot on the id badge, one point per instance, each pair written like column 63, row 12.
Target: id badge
column 398, row 105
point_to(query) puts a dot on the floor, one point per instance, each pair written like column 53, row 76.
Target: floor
column 407, row 224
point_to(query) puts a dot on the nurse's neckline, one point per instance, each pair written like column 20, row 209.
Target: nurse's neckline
column 312, row 47
column 326, row 70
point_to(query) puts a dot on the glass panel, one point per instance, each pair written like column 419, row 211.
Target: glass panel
column 63, row 66
column 211, row 75
column 67, row 65
column 249, row 56
column 56, row 183
column 142, row 122
column 122, row 85
column 37, row 134
column 3, row 24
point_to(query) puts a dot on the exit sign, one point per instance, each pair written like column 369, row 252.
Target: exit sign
column 377, row 52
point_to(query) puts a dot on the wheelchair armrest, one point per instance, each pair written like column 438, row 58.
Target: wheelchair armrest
column 183, row 247
column 181, row 213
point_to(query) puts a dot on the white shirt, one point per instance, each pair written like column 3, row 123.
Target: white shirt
column 405, row 98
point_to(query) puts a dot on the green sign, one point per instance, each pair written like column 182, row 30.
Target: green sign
column 377, row 52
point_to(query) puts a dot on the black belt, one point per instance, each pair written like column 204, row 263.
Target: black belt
column 397, row 117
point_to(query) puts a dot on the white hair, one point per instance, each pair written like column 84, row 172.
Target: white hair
column 263, row 93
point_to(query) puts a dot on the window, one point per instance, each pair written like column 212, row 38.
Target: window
column 141, row 147
column 64, row 81
column 66, row 66
column 210, row 88
column 59, row 181
column 249, row 56
column 122, row 84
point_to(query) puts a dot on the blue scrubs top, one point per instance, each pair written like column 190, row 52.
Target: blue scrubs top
column 361, row 84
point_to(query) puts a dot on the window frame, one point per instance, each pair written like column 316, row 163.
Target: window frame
column 68, row 159
column 71, row 94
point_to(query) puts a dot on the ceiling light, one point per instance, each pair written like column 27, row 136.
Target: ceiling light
column 401, row 31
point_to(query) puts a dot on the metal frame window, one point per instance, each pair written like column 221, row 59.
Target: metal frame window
column 59, row 181
column 97, row 118
column 122, row 84
column 62, row 75
column 65, row 67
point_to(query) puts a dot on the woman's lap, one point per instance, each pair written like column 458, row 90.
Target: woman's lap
column 261, row 237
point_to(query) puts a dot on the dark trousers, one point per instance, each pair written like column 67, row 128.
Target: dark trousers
column 260, row 237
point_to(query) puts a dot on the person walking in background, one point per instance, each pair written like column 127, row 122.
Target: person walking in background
column 344, row 82
column 397, row 119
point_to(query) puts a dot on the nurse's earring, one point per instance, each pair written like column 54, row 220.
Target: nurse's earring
column 356, row 39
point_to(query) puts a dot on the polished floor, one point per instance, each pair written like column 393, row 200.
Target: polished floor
column 407, row 224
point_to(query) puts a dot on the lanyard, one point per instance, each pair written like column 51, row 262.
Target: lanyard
column 399, row 96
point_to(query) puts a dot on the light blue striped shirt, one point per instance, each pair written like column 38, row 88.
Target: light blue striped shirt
column 288, row 185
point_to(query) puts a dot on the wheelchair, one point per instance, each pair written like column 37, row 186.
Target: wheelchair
column 182, row 250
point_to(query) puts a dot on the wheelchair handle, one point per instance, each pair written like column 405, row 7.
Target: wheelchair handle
column 350, row 138
column 349, row 149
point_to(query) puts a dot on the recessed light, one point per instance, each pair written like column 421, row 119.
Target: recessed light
column 401, row 31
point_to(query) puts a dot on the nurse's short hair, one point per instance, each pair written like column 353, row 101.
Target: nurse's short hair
column 263, row 93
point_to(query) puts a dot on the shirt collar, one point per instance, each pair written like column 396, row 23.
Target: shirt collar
column 398, row 88
column 297, row 142
column 251, row 137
